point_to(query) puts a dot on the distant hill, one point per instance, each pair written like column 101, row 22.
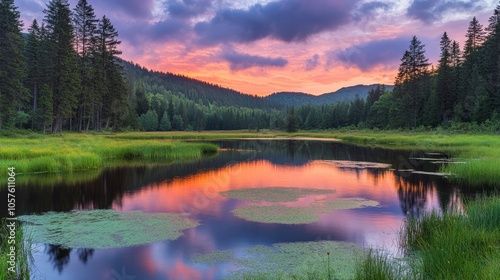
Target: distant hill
column 342, row 95
column 195, row 90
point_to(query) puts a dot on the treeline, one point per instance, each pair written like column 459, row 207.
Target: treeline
column 64, row 74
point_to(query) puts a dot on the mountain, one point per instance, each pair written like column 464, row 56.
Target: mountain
column 192, row 89
column 342, row 95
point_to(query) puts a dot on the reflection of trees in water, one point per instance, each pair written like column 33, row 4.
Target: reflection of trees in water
column 414, row 189
column 60, row 256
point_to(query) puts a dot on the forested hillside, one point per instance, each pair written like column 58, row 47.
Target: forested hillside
column 64, row 75
column 345, row 94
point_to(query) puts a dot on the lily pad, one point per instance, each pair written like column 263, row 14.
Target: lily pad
column 274, row 194
column 282, row 214
column 101, row 229
column 298, row 260
column 348, row 164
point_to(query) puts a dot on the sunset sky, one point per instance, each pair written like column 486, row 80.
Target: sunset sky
column 264, row 46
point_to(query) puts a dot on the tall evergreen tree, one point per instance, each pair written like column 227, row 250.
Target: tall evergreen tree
column 413, row 67
column 12, row 91
column 65, row 79
column 445, row 93
column 475, row 37
column 33, row 53
column 85, row 24
column 113, row 85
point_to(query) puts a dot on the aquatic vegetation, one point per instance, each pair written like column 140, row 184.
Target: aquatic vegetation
column 282, row 214
column 450, row 245
column 274, row 194
column 100, row 229
column 298, row 260
column 348, row 164
column 72, row 152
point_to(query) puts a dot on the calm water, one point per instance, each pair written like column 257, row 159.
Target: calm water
column 194, row 188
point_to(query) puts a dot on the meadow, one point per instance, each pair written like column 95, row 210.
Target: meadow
column 35, row 153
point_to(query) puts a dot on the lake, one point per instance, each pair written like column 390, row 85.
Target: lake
column 197, row 188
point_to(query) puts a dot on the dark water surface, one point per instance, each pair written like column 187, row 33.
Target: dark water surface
column 194, row 187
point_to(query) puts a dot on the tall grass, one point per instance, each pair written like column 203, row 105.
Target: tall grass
column 451, row 245
column 73, row 152
column 23, row 254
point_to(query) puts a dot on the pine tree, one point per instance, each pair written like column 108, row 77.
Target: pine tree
column 12, row 91
column 446, row 95
column 85, row 24
column 114, row 90
column 413, row 67
column 33, row 54
column 475, row 37
column 65, row 79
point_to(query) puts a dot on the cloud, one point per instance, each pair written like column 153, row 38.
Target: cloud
column 367, row 56
column 138, row 9
column 433, row 10
column 312, row 62
column 284, row 20
column 168, row 29
column 187, row 8
column 240, row 61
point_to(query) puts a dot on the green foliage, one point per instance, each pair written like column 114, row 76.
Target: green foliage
column 165, row 124
column 149, row 121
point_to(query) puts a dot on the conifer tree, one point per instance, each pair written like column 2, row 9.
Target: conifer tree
column 475, row 37
column 445, row 93
column 85, row 24
column 33, row 56
column 12, row 90
column 64, row 78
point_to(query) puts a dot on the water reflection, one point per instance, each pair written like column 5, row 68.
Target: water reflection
column 194, row 188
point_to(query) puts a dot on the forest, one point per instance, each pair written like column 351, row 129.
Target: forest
column 64, row 74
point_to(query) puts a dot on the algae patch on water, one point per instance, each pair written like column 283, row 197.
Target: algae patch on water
column 299, row 260
column 282, row 214
column 274, row 194
column 348, row 164
column 101, row 229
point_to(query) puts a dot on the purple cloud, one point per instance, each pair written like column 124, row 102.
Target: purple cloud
column 367, row 56
column 138, row 9
column 187, row 8
column 432, row 10
column 240, row 61
column 312, row 62
column 285, row 20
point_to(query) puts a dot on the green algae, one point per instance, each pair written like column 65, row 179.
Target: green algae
column 298, row 260
column 283, row 214
column 274, row 194
column 102, row 229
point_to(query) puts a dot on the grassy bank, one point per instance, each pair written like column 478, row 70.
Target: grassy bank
column 445, row 246
column 72, row 152
column 22, row 253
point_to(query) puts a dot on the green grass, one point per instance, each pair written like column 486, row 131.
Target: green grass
column 446, row 246
column 72, row 152
column 22, row 250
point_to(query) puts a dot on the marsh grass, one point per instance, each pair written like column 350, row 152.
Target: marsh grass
column 72, row 152
column 23, row 254
column 450, row 245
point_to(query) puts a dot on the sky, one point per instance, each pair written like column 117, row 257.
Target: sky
column 263, row 46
